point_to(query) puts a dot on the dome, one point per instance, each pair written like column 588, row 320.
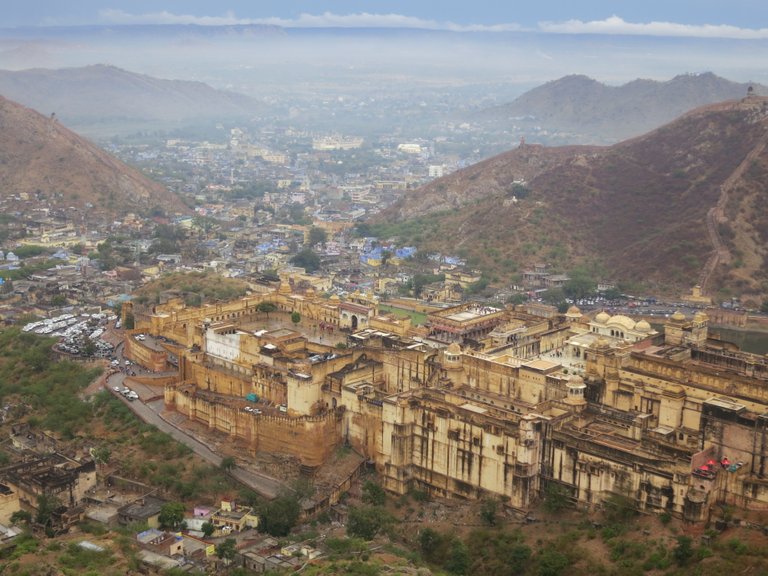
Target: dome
column 700, row 317
column 677, row 316
column 453, row 349
column 334, row 298
column 624, row 321
column 573, row 311
column 643, row 326
column 602, row 317
column 575, row 381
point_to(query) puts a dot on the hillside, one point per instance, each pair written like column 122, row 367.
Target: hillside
column 593, row 112
column 647, row 211
column 105, row 95
column 42, row 163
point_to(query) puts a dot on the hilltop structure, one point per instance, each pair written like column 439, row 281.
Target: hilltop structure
column 675, row 420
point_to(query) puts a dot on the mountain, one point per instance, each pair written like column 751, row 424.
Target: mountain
column 684, row 204
column 588, row 111
column 44, row 164
column 105, row 95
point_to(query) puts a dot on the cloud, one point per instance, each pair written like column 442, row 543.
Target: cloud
column 613, row 25
column 164, row 17
column 616, row 25
column 324, row 20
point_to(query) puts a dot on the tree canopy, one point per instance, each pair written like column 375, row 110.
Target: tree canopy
column 171, row 515
column 278, row 516
column 307, row 259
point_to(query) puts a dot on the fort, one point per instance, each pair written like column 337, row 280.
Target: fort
column 504, row 402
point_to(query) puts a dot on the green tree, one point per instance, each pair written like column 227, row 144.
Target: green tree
column 478, row 287
column 227, row 550
column 278, row 516
column 683, row 552
column 554, row 296
column 458, row 559
column 517, row 299
column 102, row 454
column 89, row 348
column 46, row 506
column 171, row 515
column 501, row 553
column 227, row 463
column 551, row 562
column 208, row 529
column 306, row 259
column 619, row 509
column 266, row 307
column 366, row 521
column 555, row 498
column 580, row 285
column 612, row 294
column 432, row 545
column 295, row 317
column 21, row 517
column 317, row 236
column 37, row 358
column 296, row 214
column 374, row 494
column 58, row 300
column 488, row 509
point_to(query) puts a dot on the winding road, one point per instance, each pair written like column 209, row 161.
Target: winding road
column 151, row 413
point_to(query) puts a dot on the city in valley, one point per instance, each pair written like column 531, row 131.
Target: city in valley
column 359, row 307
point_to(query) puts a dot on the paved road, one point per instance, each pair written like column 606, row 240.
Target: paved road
column 150, row 413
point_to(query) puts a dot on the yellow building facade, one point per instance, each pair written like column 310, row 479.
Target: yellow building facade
column 645, row 417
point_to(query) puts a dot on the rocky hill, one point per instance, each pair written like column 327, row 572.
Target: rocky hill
column 106, row 95
column 588, row 111
column 684, row 204
column 46, row 164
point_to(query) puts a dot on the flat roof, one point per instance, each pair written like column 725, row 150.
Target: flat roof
column 463, row 316
column 282, row 333
column 541, row 365
column 726, row 404
column 474, row 408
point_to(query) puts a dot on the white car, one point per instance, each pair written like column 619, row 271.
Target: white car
column 116, row 388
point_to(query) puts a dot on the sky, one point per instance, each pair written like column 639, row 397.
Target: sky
column 746, row 19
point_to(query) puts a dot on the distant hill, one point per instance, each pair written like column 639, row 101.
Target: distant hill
column 106, row 95
column 591, row 112
column 44, row 164
column 653, row 210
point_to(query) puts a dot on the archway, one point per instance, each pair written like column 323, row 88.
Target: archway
column 354, row 322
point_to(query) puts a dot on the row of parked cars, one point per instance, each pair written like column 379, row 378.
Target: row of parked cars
column 127, row 392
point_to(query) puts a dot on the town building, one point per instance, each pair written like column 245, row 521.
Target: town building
column 493, row 401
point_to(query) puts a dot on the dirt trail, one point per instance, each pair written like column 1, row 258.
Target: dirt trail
column 716, row 215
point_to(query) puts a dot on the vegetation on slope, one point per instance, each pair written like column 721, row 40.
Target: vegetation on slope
column 636, row 210
column 194, row 287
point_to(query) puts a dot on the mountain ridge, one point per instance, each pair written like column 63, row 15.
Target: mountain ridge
column 99, row 93
column 594, row 112
column 637, row 211
column 46, row 163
